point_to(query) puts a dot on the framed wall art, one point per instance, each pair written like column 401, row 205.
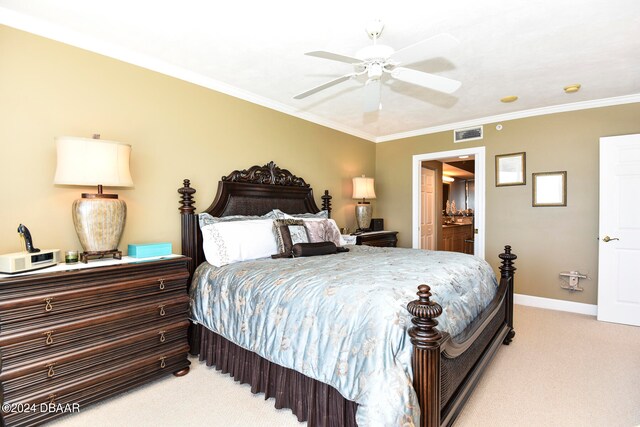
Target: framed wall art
column 549, row 189
column 511, row 169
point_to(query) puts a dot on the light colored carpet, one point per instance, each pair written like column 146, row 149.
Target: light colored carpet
column 562, row 369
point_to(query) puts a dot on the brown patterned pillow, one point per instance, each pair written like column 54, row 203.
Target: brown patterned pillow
column 289, row 232
column 325, row 230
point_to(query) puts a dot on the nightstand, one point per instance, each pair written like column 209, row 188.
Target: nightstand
column 77, row 336
column 378, row 238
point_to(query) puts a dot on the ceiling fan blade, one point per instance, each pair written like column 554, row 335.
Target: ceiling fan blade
column 334, row 57
column 430, row 81
column 371, row 96
column 324, row 86
column 430, row 48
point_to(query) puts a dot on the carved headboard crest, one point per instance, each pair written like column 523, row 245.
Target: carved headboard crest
column 267, row 174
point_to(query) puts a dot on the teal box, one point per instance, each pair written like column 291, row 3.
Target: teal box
column 149, row 249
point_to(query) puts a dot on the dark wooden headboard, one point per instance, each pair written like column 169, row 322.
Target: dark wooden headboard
column 253, row 191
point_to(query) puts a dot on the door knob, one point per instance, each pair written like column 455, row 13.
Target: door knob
column 608, row 239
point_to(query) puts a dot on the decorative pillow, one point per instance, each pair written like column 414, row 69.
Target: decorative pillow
column 320, row 215
column 227, row 242
column 289, row 232
column 313, row 249
column 324, row 230
column 206, row 219
column 275, row 214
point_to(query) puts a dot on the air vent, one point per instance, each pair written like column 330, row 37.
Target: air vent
column 467, row 134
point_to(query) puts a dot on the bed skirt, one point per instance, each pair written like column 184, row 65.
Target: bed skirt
column 310, row 400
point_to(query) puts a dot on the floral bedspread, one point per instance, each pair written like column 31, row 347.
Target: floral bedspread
column 342, row 319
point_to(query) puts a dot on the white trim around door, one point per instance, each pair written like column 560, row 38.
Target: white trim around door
column 480, row 189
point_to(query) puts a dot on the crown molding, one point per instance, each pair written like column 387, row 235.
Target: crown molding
column 55, row 32
column 42, row 28
column 582, row 105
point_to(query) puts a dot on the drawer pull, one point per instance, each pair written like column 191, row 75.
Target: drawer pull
column 162, row 362
column 162, row 337
column 50, row 372
column 161, row 283
column 49, row 339
column 52, row 399
column 162, row 312
column 48, row 306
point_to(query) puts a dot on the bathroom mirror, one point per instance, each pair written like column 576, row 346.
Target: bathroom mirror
column 549, row 189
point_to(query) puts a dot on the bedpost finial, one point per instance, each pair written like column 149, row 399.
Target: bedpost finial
column 423, row 307
column 186, row 198
column 507, row 268
column 326, row 202
column 424, row 311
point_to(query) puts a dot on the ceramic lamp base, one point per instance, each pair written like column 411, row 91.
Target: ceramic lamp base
column 99, row 222
column 363, row 215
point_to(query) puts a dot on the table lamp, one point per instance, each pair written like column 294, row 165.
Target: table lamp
column 98, row 218
column 363, row 189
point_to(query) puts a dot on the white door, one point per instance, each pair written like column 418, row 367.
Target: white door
column 619, row 239
column 427, row 211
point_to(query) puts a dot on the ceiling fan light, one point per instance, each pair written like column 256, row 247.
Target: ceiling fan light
column 374, row 72
column 373, row 52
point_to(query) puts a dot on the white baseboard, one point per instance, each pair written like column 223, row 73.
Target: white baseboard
column 556, row 304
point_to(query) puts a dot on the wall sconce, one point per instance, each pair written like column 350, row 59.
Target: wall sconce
column 363, row 189
column 98, row 218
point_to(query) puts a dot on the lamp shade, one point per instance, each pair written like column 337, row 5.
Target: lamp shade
column 87, row 161
column 363, row 188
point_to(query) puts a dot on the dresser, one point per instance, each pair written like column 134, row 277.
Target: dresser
column 71, row 338
column 378, row 238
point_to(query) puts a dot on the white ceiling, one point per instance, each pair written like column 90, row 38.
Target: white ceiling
column 254, row 50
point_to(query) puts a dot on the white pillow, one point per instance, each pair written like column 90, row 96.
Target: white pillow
column 206, row 219
column 228, row 242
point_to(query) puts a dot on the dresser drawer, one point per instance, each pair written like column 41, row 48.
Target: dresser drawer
column 91, row 389
column 56, row 341
column 53, row 305
column 134, row 339
column 19, row 287
column 155, row 308
column 378, row 238
column 68, row 368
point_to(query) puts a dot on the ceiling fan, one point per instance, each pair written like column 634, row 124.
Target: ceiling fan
column 376, row 60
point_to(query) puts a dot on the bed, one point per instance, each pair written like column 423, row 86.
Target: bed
column 443, row 369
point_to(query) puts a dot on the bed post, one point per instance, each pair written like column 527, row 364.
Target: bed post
column 188, row 225
column 426, row 340
column 326, row 202
column 506, row 275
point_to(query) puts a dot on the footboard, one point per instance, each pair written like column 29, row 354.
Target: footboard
column 445, row 370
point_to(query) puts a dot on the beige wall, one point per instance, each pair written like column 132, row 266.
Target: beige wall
column 177, row 130
column 547, row 240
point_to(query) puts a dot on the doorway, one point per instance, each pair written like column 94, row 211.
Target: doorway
column 475, row 190
column 619, row 234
